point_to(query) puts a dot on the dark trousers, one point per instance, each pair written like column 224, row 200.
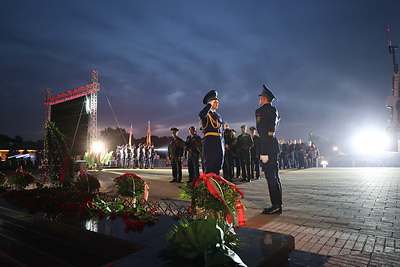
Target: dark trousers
column 176, row 164
column 228, row 165
column 193, row 166
column 271, row 171
column 245, row 164
column 301, row 159
column 255, row 165
column 236, row 161
column 213, row 154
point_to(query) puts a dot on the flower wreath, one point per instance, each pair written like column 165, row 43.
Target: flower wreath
column 207, row 188
column 131, row 185
column 87, row 182
column 20, row 178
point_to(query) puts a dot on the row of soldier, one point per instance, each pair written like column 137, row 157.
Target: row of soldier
column 294, row 154
column 141, row 156
column 241, row 153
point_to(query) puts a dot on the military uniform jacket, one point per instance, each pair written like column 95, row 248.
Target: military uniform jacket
column 266, row 120
column 211, row 125
column 193, row 144
column 175, row 147
column 245, row 142
column 230, row 139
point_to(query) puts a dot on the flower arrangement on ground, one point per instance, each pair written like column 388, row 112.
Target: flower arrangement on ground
column 87, row 182
column 135, row 219
column 54, row 202
column 214, row 196
column 210, row 240
column 131, row 185
column 20, row 179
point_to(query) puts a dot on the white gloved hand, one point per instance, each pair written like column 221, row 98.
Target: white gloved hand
column 264, row 158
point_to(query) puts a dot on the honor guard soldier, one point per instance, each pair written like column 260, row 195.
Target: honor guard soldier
column 152, row 156
column 134, row 156
column 213, row 141
column 193, row 147
column 118, row 156
column 175, row 153
column 267, row 119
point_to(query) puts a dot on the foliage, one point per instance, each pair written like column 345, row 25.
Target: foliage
column 209, row 238
column 58, row 162
column 53, row 201
column 131, row 185
column 135, row 219
column 213, row 194
column 87, row 182
column 59, row 203
column 20, row 179
column 94, row 159
column 3, row 179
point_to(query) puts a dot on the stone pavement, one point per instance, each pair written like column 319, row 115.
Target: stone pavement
column 350, row 214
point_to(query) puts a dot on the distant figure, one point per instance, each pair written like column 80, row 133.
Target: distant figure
column 175, row 153
column 193, row 147
column 267, row 119
column 213, row 142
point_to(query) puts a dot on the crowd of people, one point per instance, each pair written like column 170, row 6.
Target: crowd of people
column 294, row 154
column 241, row 157
column 134, row 156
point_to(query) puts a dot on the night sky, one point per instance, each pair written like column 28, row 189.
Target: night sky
column 326, row 61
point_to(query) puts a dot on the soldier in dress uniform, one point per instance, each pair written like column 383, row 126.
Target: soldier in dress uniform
column 213, row 141
column 267, row 119
column 152, row 156
column 118, row 156
column 141, row 155
column 123, row 156
column 175, row 153
column 245, row 143
column 193, row 147
column 255, row 154
column 129, row 156
column 134, row 156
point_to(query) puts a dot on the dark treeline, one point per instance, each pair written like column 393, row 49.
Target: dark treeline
column 111, row 137
column 18, row 143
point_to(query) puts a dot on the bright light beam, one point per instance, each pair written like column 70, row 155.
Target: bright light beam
column 97, row 147
column 371, row 142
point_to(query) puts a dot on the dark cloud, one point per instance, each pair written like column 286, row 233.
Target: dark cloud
column 326, row 61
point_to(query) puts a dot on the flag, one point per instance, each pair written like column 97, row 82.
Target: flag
column 130, row 137
column 148, row 138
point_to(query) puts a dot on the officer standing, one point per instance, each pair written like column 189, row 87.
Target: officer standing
column 193, row 147
column 267, row 119
column 175, row 153
column 213, row 142
column 245, row 143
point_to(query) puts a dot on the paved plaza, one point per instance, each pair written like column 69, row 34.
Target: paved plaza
column 349, row 214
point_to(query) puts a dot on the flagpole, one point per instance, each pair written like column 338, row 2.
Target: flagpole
column 148, row 139
column 130, row 137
